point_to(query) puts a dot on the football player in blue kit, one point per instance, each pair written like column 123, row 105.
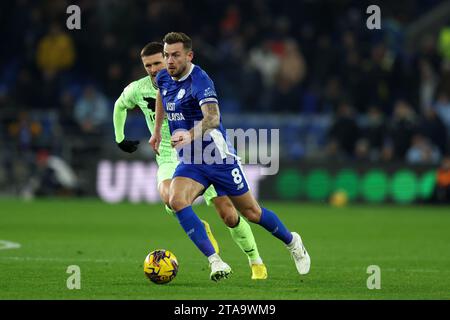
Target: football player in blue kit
column 188, row 97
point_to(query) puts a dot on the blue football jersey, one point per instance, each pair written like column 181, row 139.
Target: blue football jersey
column 182, row 100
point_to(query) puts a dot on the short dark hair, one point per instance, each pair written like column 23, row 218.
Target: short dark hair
column 176, row 37
column 152, row 48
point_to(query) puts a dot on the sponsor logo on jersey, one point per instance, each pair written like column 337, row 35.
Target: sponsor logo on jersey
column 209, row 92
column 180, row 94
column 177, row 116
column 170, row 106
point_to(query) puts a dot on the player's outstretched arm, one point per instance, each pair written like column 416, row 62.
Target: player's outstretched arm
column 155, row 140
column 119, row 118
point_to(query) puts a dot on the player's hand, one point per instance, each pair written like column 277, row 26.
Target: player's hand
column 180, row 139
column 129, row 146
column 155, row 141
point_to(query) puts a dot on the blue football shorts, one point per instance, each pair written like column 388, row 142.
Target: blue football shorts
column 227, row 179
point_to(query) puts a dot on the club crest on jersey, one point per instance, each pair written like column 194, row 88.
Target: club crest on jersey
column 180, row 94
column 164, row 92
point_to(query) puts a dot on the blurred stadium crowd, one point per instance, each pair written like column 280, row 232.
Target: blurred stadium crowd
column 338, row 90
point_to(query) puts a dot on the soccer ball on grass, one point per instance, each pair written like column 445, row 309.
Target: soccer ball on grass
column 160, row 266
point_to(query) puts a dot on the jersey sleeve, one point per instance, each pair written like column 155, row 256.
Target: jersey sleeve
column 127, row 100
column 203, row 89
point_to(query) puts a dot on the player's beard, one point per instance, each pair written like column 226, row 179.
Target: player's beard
column 180, row 72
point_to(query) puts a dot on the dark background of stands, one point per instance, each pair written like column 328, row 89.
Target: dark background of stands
column 337, row 90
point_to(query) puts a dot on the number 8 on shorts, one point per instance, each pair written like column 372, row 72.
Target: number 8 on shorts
column 237, row 177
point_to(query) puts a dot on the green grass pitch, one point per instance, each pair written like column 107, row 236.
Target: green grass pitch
column 410, row 244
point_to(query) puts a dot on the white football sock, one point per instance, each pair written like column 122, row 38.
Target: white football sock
column 214, row 257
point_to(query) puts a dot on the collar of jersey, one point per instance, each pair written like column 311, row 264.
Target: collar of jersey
column 187, row 74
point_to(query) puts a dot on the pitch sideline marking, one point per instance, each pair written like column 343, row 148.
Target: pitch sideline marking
column 4, row 245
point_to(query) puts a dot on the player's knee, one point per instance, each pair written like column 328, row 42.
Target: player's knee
column 227, row 212
column 253, row 213
column 177, row 203
column 229, row 217
column 231, row 221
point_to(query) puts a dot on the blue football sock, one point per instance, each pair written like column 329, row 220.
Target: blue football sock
column 273, row 224
column 195, row 230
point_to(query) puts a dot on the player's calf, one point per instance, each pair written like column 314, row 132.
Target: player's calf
column 246, row 204
column 226, row 210
column 253, row 213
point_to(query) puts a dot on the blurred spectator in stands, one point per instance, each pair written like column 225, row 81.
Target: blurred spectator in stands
column 331, row 95
column 91, row 111
column 442, row 107
column 401, row 128
column 266, row 62
column 353, row 78
column 24, row 131
column 324, row 60
column 350, row 70
column 66, row 113
column 428, row 51
column 263, row 59
column 292, row 68
column 422, row 151
column 114, row 82
column 55, row 51
column 442, row 190
column 22, row 137
column 362, row 150
column 230, row 21
column 26, row 92
column 343, row 133
column 444, row 43
column 55, row 54
column 112, row 51
column 291, row 72
column 377, row 76
column 432, row 127
column 52, row 177
column 428, row 84
column 372, row 135
column 444, row 78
